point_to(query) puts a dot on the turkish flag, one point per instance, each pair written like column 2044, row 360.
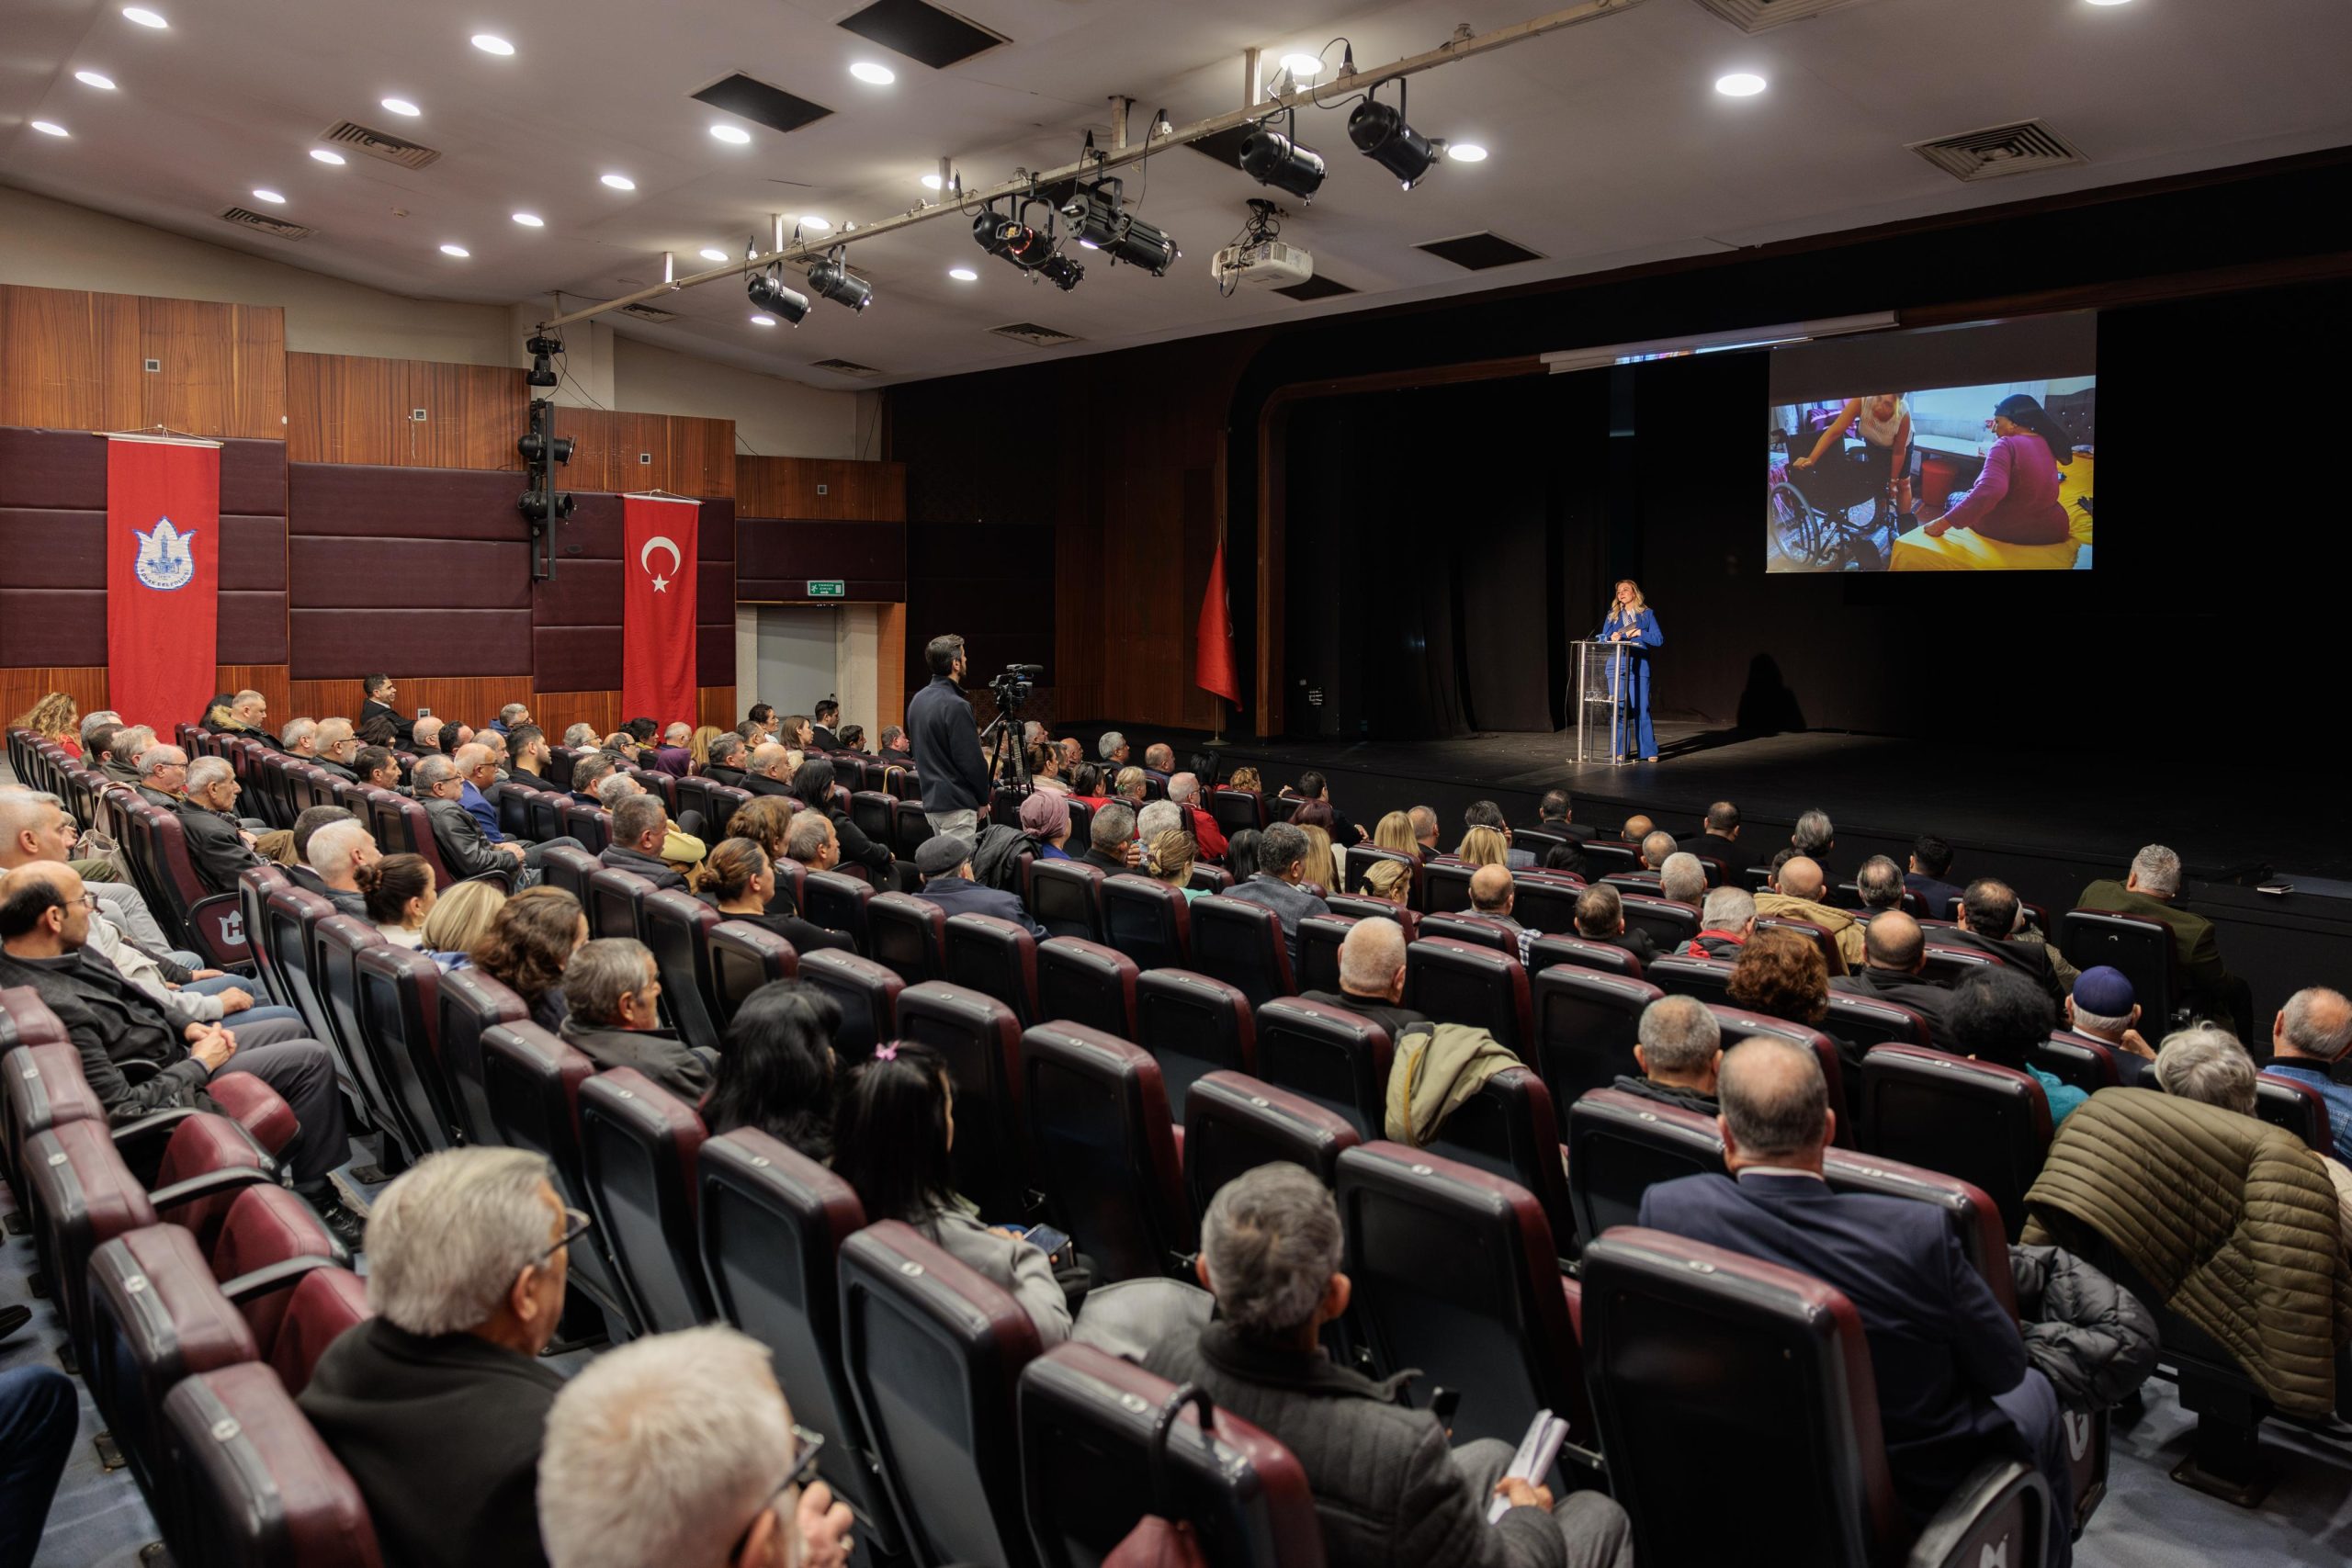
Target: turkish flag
column 657, row 546
column 1213, row 653
column 163, row 577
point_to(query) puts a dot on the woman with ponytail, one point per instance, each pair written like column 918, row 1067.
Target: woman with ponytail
column 2015, row 500
column 398, row 892
column 738, row 879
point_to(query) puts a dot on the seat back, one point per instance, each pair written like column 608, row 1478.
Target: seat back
column 1103, row 1147
column 1456, row 1273
column 1983, row 1123
column 1147, row 920
column 1362, row 858
column 614, row 901
column 979, row 1039
column 592, row 824
column 1546, row 903
column 772, row 1223
column 1234, row 1124
column 1086, row 1445
column 1193, row 1024
column 1455, row 982
column 1585, row 1028
column 2089, row 1065
column 531, row 1080
column 1949, row 965
column 1242, row 944
column 289, row 913
column 542, row 814
column 1479, row 930
column 399, row 1025
column 837, row 902
column 869, row 995
column 1669, row 924
column 268, row 1228
column 935, row 1353
column 323, row 1303
column 1066, row 897
column 1087, row 983
column 262, row 1490
column 1845, row 1089
column 1620, row 1145
column 1508, row 1127
column 1319, row 940
column 338, row 944
column 639, row 1143
column 1818, row 935
column 1335, row 1058
column 677, row 929
column 1234, row 809
column 1581, row 953
column 254, row 884
column 2142, row 949
column 1868, row 1021
column 472, row 1004
column 572, row 870
column 2296, row 1106
column 1678, row 974
column 996, row 958
column 906, row 934
column 743, row 957
column 1445, row 886
column 909, row 827
column 40, row 1087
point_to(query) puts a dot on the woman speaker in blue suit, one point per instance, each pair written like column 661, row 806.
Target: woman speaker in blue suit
column 1631, row 620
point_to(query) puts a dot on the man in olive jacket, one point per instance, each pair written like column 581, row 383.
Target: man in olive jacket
column 1389, row 1491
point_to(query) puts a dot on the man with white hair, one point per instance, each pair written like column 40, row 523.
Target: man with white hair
column 1159, row 817
column 1113, row 749
column 1814, row 837
column 336, row 852
column 121, row 761
column 455, row 833
column 771, row 770
column 671, row 756
column 1372, row 977
column 511, row 717
column 426, row 735
column 218, row 845
column 1725, row 922
column 163, row 776
column 438, row 1403
column 613, row 991
column 1681, row 879
column 94, row 722
column 1184, row 789
column 578, row 736
column 2152, row 891
column 1679, row 1052
column 336, row 744
column 300, row 739
column 2309, row 1035
column 36, row 826
column 679, row 1450
column 1389, row 1488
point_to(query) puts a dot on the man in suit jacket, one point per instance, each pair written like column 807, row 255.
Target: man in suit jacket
column 1557, row 814
column 822, row 726
column 1719, row 835
column 376, row 709
column 725, row 764
column 1894, row 952
column 455, row 834
column 1281, row 866
column 946, row 865
column 2152, row 891
column 1954, row 1387
column 1988, row 913
column 217, row 846
column 771, row 771
column 1600, row 916
column 640, row 828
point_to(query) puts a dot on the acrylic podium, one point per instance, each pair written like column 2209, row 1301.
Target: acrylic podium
column 1598, row 693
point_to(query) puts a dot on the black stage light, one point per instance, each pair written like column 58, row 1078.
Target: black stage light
column 1381, row 135
column 1100, row 225
column 1028, row 248
column 770, row 292
column 542, row 371
column 539, row 505
column 1061, row 271
column 1273, row 159
column 537, row 448
column 832, row 278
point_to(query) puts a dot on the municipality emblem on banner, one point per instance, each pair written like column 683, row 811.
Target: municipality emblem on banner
column 166, row 560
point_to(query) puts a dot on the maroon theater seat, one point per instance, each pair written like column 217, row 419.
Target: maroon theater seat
column 254, row 884
column 1147, row 920
column 616, row 902
column 1679, row 975
column 1545, row 903
column 1236, row 809
column 2089, row 1065
column 2142, row 949
column 1066, row 896
column 1585, row 1024
column 1242, row 944
column 1208, row 878
column 1455, row 982
column 1609, row 858
column 323, row 1303
column 1551, row 951
column 1445, row 886
column 2296, row 1106
column 909, row 827
column 1320, row 938
column 262, row 1490
column 290, row 915
column 1085, row 982
column 1818, row 935
column 677, row 927
column 996, row 958
column 639, row 1144
column 269, row 1241
column 1103, row 1147
column 336, row 943
column 837, row 902
column 1949, row 966
column 1477, row 931
column 542, row 814
column 908, row 934
column 1508, row 1128
column 743, row 957
column 1985, row 1124
column 208, row 922
column 1868, row 1021
column 532, row 1081
column 1335, row 1058
column 869, row 995
column 1670, row 925
column 1234, row 1124
column 592, row 824
column 1192, row 1025
column 470, row 1005
column 400, row 1026
column 980, row 1040
column 1621, row 1146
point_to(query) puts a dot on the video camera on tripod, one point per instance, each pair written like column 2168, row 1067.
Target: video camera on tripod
column 1007, row 763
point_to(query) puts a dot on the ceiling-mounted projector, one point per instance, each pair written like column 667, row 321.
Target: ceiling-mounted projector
column 1263, row 263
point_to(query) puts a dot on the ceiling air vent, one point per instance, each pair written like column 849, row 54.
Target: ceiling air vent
column 1756, row 16
column 2024, row 148
column 939, row 38
column 645, row 312
column 846, row 367
column 1315, row 287
column 1033, row 335
column 1476, row 252
column 761, row 103
column 380, row 145
column 278, row 227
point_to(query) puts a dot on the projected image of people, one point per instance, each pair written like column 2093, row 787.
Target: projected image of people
column 1946, row 478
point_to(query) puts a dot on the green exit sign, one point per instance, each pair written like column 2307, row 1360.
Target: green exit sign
column 827, row 587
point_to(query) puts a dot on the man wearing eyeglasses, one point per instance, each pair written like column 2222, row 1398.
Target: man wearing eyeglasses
column 437, row 1405
column 679, row 1451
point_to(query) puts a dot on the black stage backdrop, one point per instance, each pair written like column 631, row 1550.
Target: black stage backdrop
column 1446, row 543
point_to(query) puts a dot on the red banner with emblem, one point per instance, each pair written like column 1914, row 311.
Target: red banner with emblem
column 163, row 577
column 659, row 540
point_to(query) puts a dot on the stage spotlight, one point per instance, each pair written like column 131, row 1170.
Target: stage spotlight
column 832, row 278
column 1025, row 247
column 1273, row 159
column 542, row 371
column 537, row 447
column 1381, row 135
column 541, row 505
column 1101, row 225
column 770, row 292
column 1063, row 272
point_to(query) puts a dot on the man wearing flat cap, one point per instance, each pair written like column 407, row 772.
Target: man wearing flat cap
column 946, row 863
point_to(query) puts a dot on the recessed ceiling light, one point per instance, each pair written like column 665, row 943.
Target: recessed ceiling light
column 735, row 134
column 932, row 182
column 1466, row 152
column 1303, row 67
column 711, row 252
column 866, row 71
column 92, row 79
column 49, row 128
column 323, row 156
column 620, row 182
column 264, row 193
column 401, row 105
column 491, row 43
column 530, row 220
column 812, row 221
column 2110, row 1
column 457, row 251
column 963, row 274
column 143, row 16
column 1739, row 85
column 763, row 320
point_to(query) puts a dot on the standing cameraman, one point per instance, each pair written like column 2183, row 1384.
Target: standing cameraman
column 947, row 744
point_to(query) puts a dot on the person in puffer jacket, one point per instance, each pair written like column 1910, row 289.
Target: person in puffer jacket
column 2092, row 1340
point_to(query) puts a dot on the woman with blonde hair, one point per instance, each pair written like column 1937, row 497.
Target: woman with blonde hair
column 1483, row 846
column 459, row 918
column 1169, row 858
column 1245, row 778
column 1322, row 870
column 54, row 718
column 1633, row 622
column 698, row 745
column 1396, row 832
column 1390, row 881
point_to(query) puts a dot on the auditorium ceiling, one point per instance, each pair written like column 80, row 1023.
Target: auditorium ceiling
column 1609, row 142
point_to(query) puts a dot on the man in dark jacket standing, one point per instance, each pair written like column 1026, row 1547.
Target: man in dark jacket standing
column 947, row 744
column 947, row 881
column 1389, row 1493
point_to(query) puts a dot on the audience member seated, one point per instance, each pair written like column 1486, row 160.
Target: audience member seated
column 1988, row 922
column 639, row 828
column 1395, row 831
column 668, row 1450
column 477, row 767
column 1483, row 846
column 1678, row 1050
column 726, row 763
column 1157, row 817
column 813, row 783
column 437, row 1404
column 1045, row 763
column 899, row 746
column 527, row 752
column 1557, row 814
column 771, row 771
column 1492, row 896
column 825, row 726
column 2104, row 1007
column 1087, row 783
column 1111, row 840
column 1045, row 818
column 946, row 865
column 379, row 768
column 45, row 927
column 1389, row 881
column 758, row 724
column 1879, row 885
column 2309, row 1035
column 1389, row 1491
column 797, row 732
column 1424, row 820
column 671, row 756
column 1282, row 867
column 1371, row 978
column 1895, row 955
column 380, row 722
column 1954, row 1385
column 217, row 846
column 35, row 828
column 1797, row 894
column 852, row 738
column 396, row 893
column 777, row 1072
column 611, row 996
column 1486, row 813
column 2152, row 891
column 1600, row 916
column 2207, row 1065
column 738, row 879
column 1719, row 835
column 1726, row 920
column 335, row 743
column 1244, row 777
column 1999, row 1016
column 1318, row 868
column 1241, row 855
column 124, row 749
column 680, row 849
column 455, row 833
column 1930, row 865
column 1160, row 760
column 1127, row 784
column 1637, row 827
column 1783, row 975
column 767, row 821
column 53, row 718
column 298, row 738
column 1682, row 880
column 1184, row 789
column 1168, row 857
column 306, row 827
column 891, row 1137
column 1312, row 786
column 530, row 941
column 459, row 919
column 163, row 776
column 1814, row 837
column 1111, row 748
column 425, row 736
column 698, row 747
column 1656, row 848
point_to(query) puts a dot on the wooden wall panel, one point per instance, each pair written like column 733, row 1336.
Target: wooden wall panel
column 351, row 409
column 475, row 700
column 891, row 680
column 223, row 367
column 269, row 680
column 72, row 360
column 24, row 685
column 68, row 360
column 855, row 491
column 687, row 456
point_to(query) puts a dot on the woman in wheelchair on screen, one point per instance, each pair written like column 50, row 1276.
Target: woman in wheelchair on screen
column 1883, row 423
column 1631, row 620
column 2015, row 500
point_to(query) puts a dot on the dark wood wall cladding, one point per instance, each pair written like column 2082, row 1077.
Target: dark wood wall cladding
column 625, row 452
column 76, row 361
column 348, row 409
column 853, row 491
column 776, row 556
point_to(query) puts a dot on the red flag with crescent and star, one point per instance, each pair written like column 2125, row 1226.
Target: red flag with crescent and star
column 657, row 553
column 162, row 577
